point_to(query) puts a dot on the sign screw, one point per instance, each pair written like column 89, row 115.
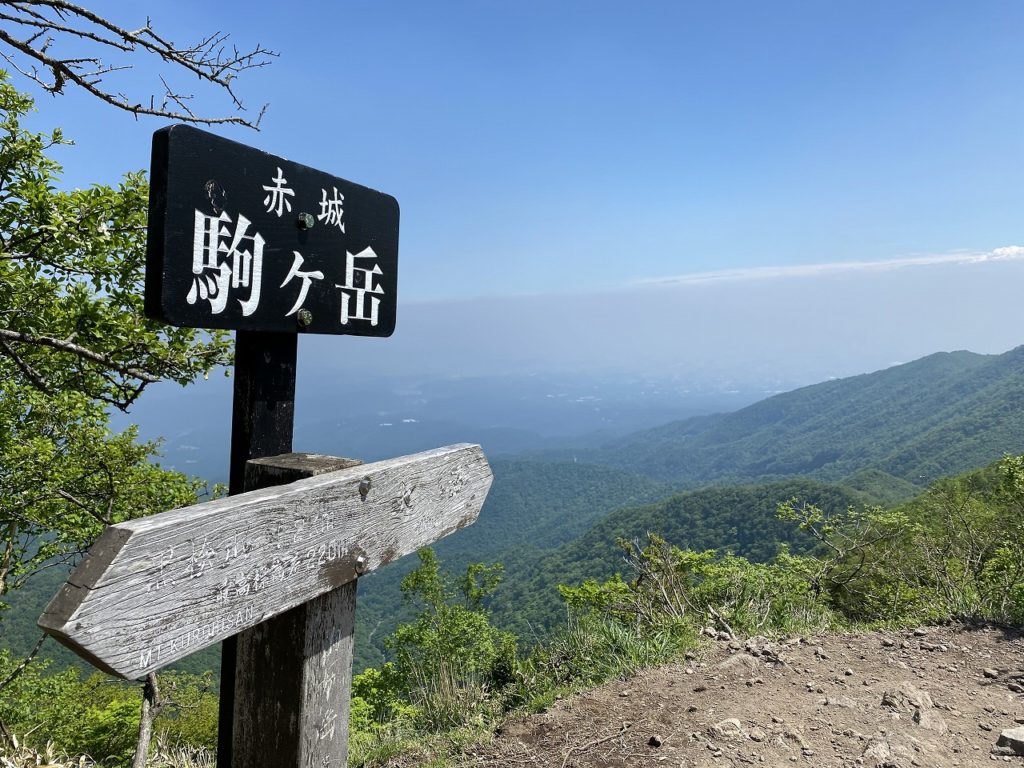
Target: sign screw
column 360, row 564
column 304, row 318
column 305, row 221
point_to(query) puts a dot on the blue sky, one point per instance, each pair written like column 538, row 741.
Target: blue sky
column 567, row 147
column 779, row 191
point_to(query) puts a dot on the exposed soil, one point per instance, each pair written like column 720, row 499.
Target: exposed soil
column 937, row 696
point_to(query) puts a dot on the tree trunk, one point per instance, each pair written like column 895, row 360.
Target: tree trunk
column 151, row 706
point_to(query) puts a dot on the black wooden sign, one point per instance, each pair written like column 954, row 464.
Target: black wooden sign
column 242, row 239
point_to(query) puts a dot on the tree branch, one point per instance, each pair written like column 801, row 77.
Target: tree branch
column 30, row 373
column 46, row 22
column 16, row 672
column 79, row 351
column 151, row 706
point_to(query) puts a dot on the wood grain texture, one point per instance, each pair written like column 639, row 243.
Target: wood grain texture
column 289, row 467
column 262, row 416
column 156, row 589
column 293, row 683
column 293, row 678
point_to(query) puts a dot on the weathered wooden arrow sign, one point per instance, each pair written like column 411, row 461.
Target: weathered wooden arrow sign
column 153, row 590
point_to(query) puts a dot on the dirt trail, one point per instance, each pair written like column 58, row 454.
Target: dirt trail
column 937, row 696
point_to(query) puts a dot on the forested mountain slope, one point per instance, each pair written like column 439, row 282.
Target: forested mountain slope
column 942, row 414
column 737, row 519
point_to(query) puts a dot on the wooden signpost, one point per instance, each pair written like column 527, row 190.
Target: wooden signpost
column 153, row 590
column 241, row 239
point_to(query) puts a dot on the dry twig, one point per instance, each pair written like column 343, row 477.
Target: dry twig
column 45, row 41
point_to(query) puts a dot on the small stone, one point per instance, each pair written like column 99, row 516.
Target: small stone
column 888, row 642
column 691, row 709
column 920, row 632
column 985, row 726
column 840, row 701
column 1012, row 740
column 990, row 673
column 655, row 740
column 756, row 734
column 1016, row 687
column 931, row 721
column 731, row 727
column 624, row 694
column 848, row 673
column 906, row 698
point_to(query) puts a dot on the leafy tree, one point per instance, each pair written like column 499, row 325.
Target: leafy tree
column 73, row 338
column 74, row 342
column 680, row 591
column 451, row 657
column 99, row 716
column 953, row 552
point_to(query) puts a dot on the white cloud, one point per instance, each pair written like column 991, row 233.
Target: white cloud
column 1008, row 252
column 1005, row 253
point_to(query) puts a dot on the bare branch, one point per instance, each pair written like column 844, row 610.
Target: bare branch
column 85, row 507
column 152, row 703
column 24, row 663
column 35, row 29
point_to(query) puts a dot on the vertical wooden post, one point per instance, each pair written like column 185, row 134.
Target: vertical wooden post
column 263, row 412
column 293, row 673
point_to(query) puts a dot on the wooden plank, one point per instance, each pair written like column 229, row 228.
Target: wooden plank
column 156, row 589
column 293, row 679
column 269, row 471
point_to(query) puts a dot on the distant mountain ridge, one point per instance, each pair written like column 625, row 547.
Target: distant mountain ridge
column 939, row 415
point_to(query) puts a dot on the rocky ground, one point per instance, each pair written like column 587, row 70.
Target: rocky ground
column 937, row 696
